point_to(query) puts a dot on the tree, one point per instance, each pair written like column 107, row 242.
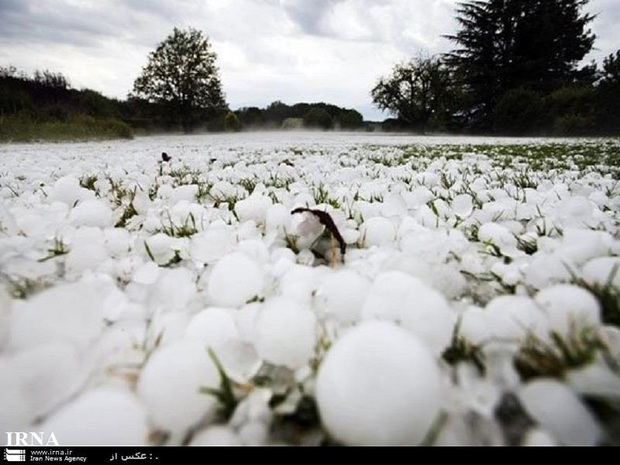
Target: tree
column 182, row 77
column 318, row 118
column 511, row 44
column 417, row 92
column 608, row 96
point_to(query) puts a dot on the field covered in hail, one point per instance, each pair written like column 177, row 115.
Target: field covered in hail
column 181, row 302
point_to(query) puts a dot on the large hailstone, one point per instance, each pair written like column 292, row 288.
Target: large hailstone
column 234, row 280
column 170, row 383
column 92, row 212
column 70, row 312
column 566, row 305
column 558, row 410
column 399, row 297
column 378, row 385
column 378, row 231
column 211, row 244
column 285, row 333
column 343, row 293
column 106, row 415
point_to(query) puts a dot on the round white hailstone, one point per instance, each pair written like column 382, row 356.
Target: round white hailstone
column 141, row 202
column 248, row 230
column 67, row 312
column 212, row 244
column 596, row 380
column 147, row 273
column 475, row 325
column 246, row 319
column 277, row 217
column 86, row 257
column 546, row 269
column 501, row 237
column 253, row 208
column 537, row 437
column 240, row 359
column 394, row 206
column 299, row 283
column 223, row 189
column 378, row 384
column 9, row 226
column 164, row 191
column 170, row 383
column 366, row 209
column 418, row 196
column 378, row 231
column 91, row 213
column 168, row 327
column 161, row 248
column 68, row 191
column 282, row 256
column 579, row 245
column 255, row 249
column 575, row 212
column 558, row 410
column 601, row 270
column 5, row 303
column 567, row 305
column 344, row 293
column 234, row 280
column 305, row 257
column 185, row 193
column 174, row 289
column 117, row 241
column 422, row 310
column 219, row 435
column 45, row 375
column 16, row 413
column 513, row 317
column 426, row 217
column 105, row 415
column 285, row 333
column 428, row 178
column 462, row 205
column 212, row 327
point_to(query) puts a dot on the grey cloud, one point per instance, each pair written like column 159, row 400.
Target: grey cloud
column 309, row 14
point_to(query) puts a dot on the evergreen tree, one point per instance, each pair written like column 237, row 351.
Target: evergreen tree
column 510, row 44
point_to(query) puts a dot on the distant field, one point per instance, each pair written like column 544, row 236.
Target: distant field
column 477, row 302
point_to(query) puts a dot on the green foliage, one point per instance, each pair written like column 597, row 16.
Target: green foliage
column 509, row 44
column 45, row 108
column 463, row 351
column 24, row 129
column 349, row 119
column 279, row 115
column 539, row 358
column 608, row 96
column 224, row 394
column 518, row 112
column 182, row 77
column 231, row 122
column 416, row 92
column 318, row 118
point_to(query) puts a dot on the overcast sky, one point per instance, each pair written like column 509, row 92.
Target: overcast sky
column 289, row 50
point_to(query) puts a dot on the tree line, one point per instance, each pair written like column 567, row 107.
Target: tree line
column 516, row 70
